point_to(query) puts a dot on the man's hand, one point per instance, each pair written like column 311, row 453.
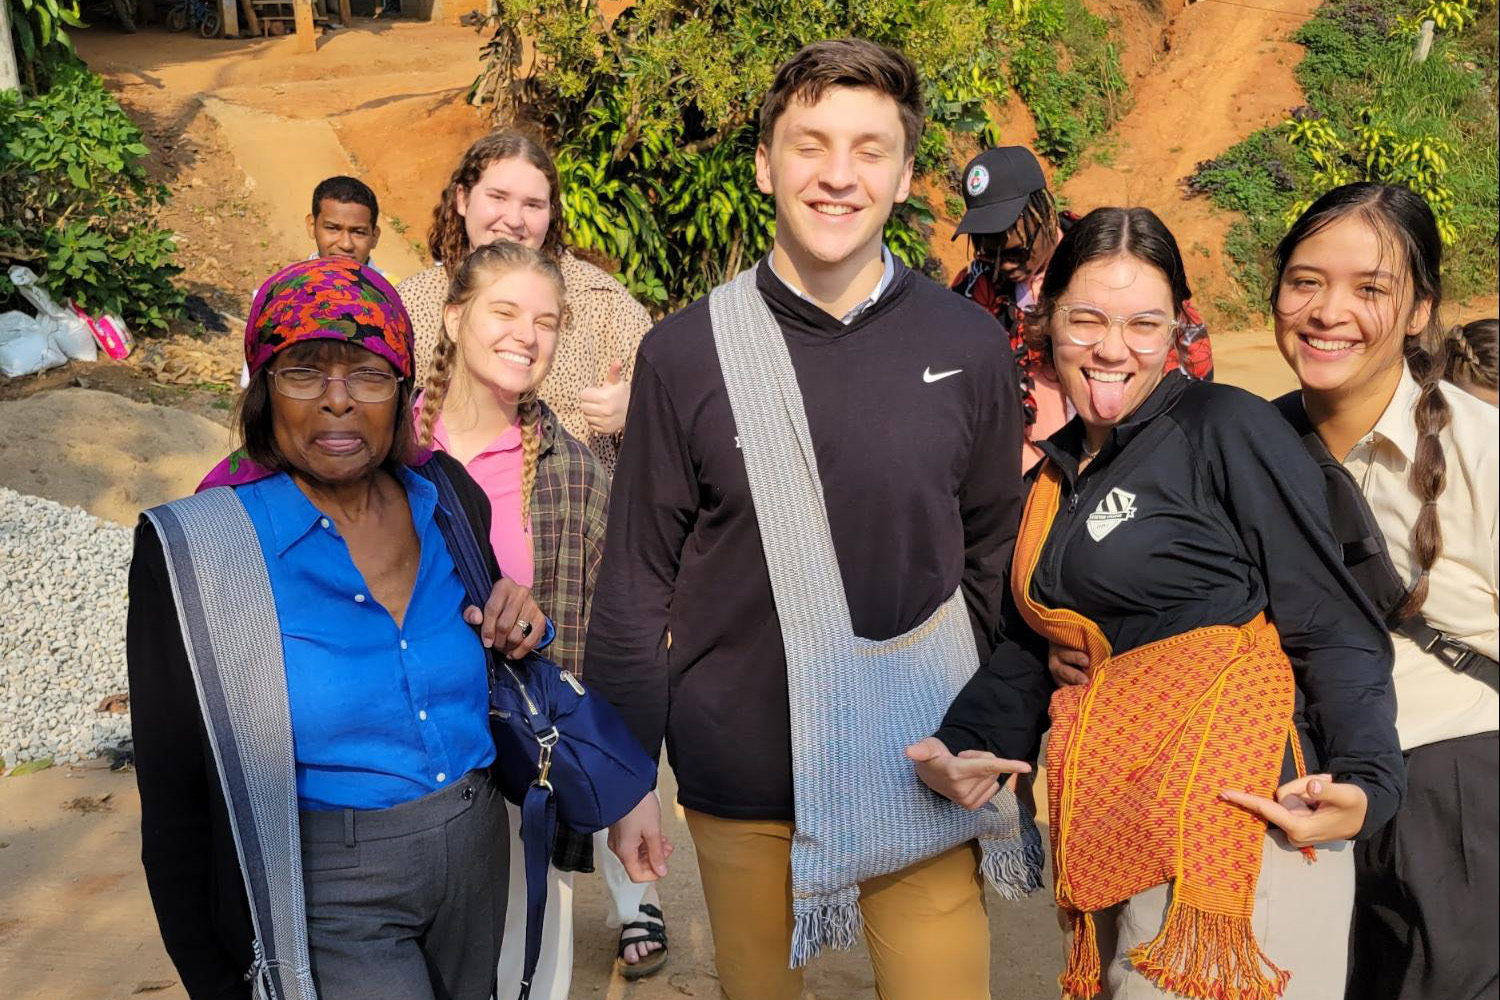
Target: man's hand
column 604, row 405
column 499, row 622
column 1311, row 810
column 971, row 779
column 638, row 842
column 1067, row 666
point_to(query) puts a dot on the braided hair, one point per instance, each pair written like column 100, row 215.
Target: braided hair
column 1469, row 354
column 1403, row 218
column 448, row 240
column 476, row 271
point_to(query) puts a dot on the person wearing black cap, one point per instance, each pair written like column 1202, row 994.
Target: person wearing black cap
column 1014, row 225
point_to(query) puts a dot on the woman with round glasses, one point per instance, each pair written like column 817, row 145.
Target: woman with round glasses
column 1176, row 553
column 308, row 682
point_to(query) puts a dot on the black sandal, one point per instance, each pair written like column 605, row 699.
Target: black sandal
column 654, row 931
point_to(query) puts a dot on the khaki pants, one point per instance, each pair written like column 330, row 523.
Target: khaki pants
column 1301, row 920
column 926, row 926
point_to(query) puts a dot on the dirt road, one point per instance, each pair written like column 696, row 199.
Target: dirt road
column 76, row 924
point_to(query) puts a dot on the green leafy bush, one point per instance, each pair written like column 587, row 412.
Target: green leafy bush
column 1068, row 72
column 652, row 114
column 1374, row 114
column 76, row 205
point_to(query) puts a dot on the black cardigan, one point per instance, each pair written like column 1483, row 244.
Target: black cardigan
column 187, row 849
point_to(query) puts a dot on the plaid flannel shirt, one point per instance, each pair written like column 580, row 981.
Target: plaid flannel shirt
column 569, row 506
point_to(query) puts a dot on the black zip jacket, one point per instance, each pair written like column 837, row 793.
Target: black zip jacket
column 187, row 849
column 916, row 425
column 1203, row 508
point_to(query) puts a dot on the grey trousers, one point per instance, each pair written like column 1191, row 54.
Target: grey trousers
column 1301, row 920
column 408, row 903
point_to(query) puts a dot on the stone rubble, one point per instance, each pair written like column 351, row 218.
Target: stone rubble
column 63, row 576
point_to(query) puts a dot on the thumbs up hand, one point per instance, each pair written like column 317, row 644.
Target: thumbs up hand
column 604, row 405
column 970, row 779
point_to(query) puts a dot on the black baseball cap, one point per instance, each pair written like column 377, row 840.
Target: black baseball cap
column 997, row 183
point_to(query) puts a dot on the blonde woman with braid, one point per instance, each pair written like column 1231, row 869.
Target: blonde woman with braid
column 1358, row 289
column 506, row 190
column 549, row 497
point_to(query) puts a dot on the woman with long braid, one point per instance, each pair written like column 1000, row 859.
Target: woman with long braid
column 1358, row 290
column 549, row 495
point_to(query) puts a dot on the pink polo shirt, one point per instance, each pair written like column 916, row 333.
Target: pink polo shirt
column 497, row 470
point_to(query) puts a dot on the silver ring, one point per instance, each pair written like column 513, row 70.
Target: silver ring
column 524, row 626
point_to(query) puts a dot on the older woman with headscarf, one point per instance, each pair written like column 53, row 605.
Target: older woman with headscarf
column 309, row 681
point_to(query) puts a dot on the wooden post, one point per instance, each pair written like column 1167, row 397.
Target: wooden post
column 252, row 23
column 307, row 38
column 346, row 16
column 1424, row 42
column 229, row 18
column 10, row 75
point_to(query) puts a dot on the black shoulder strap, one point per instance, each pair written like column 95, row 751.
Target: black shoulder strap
column 1363, row 543
column 1368, row 560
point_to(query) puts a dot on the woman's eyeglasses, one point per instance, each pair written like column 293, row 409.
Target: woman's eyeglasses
column 363, row 386
column 1086, row 326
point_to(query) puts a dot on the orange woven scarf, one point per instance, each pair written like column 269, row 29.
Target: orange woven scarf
column 1136, row 761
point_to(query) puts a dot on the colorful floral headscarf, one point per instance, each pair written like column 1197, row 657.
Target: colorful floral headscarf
column 326, row 298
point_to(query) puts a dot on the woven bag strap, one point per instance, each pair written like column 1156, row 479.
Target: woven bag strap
column 771, row 423
column 233, row 641
column 1057, row 625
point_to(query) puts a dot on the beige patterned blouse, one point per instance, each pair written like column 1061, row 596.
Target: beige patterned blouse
column 606, row 325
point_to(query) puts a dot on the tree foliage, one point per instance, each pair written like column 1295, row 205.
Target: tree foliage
column 37, row 30
column 653, row 114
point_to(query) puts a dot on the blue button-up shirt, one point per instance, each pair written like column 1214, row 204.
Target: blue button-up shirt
column 381, row 714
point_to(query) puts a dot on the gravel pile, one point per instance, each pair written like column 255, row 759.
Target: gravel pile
column 62, row 629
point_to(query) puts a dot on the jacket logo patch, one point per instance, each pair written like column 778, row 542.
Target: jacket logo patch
column 1113, row 511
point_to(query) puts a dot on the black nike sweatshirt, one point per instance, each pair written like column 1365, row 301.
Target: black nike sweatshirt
column 917, row 429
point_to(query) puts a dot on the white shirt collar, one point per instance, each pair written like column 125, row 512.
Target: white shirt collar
column 887, row 275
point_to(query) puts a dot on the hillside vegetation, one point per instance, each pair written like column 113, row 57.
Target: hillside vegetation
column 1373, row 113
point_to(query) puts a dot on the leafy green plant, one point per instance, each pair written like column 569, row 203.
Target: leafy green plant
column 42, row 45
column 1068, row 72
column 77, row 207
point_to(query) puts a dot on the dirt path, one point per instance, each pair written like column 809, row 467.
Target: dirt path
column 1228, row 73
column 76, row 922
column 383, row 101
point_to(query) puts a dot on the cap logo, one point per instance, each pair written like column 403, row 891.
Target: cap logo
column 979, row 179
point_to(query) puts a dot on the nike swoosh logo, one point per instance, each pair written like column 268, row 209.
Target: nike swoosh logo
column 929, row 376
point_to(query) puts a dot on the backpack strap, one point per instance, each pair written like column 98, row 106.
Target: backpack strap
column 1368, row 560
column 1457, row 655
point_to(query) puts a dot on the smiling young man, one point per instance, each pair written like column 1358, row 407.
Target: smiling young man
column 914, row 424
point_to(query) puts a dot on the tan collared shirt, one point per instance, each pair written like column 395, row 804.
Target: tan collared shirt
column 1435, row 702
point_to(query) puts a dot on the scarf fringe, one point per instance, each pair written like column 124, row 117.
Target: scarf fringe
column 1014, row 867
column 1081, row 976
column 825, row 925
column 1209, row 956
